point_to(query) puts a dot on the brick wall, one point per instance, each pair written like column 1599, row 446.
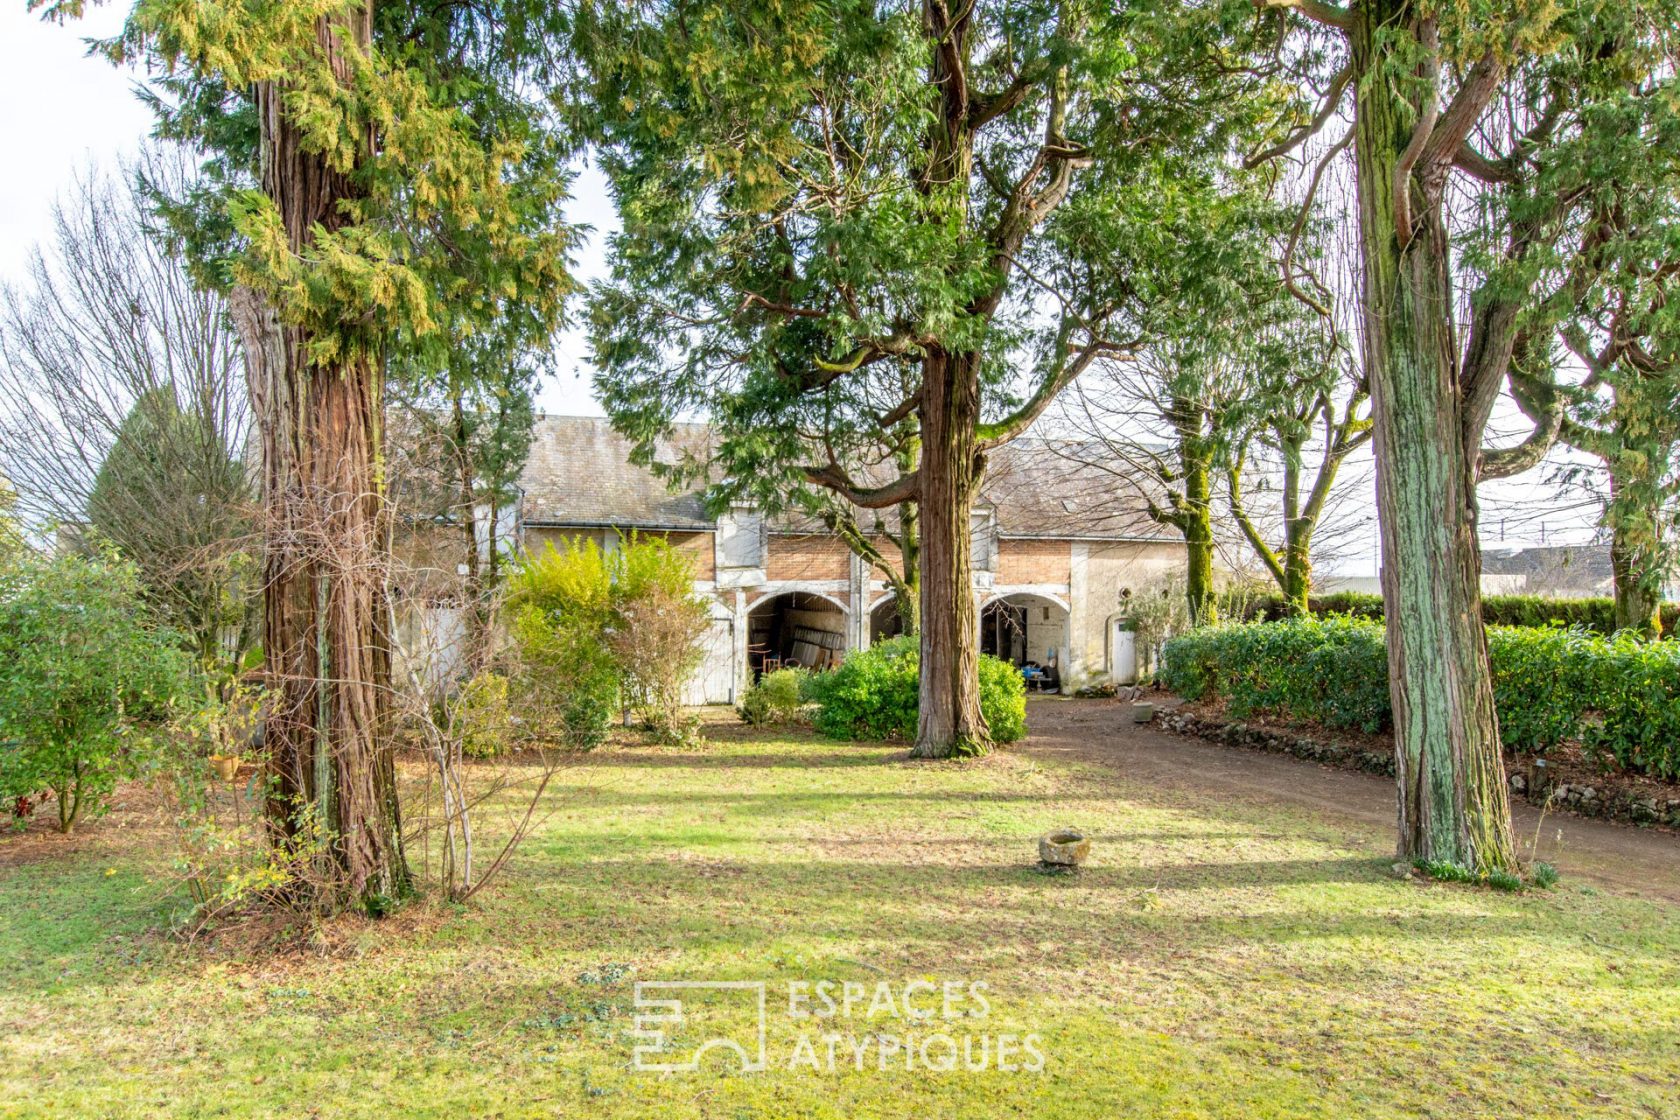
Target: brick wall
column 807, row 558
column 1033, row 561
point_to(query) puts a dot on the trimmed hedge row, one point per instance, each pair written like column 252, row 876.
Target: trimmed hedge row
column 1597, row 615
column 1620, row 695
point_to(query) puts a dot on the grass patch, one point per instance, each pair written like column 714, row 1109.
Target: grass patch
column 1211, row 959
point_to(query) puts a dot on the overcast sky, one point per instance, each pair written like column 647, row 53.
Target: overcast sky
column 64, row 111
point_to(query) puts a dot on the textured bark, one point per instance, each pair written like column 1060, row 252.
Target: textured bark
column 1297, row 566
column 324, row 606
column 1635, row 565
column 1197, row 524
column 1452, row 794
column 949, row 723
column 1195, row 520
column 907, row 580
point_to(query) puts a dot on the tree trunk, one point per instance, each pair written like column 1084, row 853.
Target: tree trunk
column 1297, row 565
column 1452, row 795
column 466, row 481
column 949, row 722
column 907, row 587
column 1635, row 563
column 1192, row 514
column 324, row 605
column 1197, row 523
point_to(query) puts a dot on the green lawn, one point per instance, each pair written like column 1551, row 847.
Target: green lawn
column 1213, row 960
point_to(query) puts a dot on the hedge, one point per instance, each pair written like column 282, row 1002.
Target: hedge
column 1620, row 696
column 1597, row 615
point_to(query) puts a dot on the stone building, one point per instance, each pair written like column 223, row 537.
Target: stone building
column 1057, row 548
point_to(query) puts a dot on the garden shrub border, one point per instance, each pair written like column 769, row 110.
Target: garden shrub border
column 874, row 694
column 1597, row 614
column 1617, row 697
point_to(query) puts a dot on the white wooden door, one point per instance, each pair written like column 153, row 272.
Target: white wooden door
column 714, row 681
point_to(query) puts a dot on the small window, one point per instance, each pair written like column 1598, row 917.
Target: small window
column 741, row 539
column 982, row 541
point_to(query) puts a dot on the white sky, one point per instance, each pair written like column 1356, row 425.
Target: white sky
column 60, row 111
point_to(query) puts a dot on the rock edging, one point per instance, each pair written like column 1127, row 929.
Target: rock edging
column 1576, row 797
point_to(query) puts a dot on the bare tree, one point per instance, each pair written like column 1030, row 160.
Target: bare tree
column 1294, row 435
column 124, row 410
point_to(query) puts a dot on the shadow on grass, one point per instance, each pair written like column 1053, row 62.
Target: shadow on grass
column 830, row 756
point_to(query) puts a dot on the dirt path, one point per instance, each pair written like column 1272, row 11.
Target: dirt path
column 1632, row 860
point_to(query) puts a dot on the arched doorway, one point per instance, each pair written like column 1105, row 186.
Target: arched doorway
column 795, row 628
column 1030, row 631
column 885, row 621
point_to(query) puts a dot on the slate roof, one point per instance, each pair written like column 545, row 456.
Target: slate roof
column 1060, row 490
column 579, row 474
column 1553, row 567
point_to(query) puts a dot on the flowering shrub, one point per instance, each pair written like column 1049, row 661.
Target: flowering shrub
column 1619, row 696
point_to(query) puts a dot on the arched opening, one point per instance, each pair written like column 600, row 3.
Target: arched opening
column 1030, row 631
column 796, row 628
column 885, row 621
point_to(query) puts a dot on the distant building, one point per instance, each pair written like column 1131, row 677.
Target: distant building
column 1558, row 571
column 1055, row 546
column 1565, row 571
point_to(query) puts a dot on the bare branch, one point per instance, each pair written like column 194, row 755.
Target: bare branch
column 995, row 435
column 1332, row 99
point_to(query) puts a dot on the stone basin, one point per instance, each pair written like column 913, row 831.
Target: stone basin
column 1065, row 847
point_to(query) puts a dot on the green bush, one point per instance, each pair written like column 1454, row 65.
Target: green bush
column 873, row 694
column 1597, row 615
column 486, row 720
column 568, row 681
column 88, row 682
column 1619, row 696
column 776, row 698
column 1003, row 700
column 598, row 628
column 1330, row 670
column 654, row 633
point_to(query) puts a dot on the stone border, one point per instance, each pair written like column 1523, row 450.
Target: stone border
column 1578, row 798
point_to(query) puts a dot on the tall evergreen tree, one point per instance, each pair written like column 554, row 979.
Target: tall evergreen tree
column 176, row 501
column 818, row 195
column 1535, row 110
column 388, row 188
